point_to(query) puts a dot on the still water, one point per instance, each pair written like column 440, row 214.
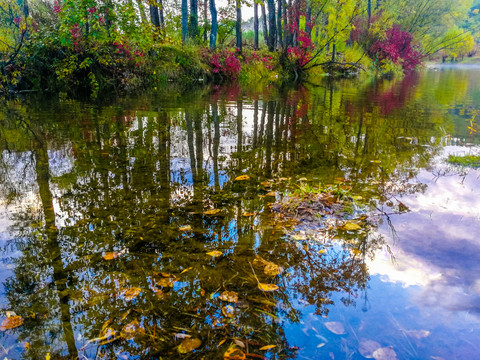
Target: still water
column 180, row 224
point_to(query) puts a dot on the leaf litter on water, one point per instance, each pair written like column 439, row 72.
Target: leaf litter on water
column 189, row 345
column 335, row 327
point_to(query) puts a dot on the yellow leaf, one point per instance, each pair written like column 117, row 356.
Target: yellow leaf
column 165, row 282
column 266, row 183
column 222, row 342
column 357, row 197
column 234, row 353
column 350, row 226
column 215, row 253
column 272, row 269
column 11, row 323
column 188, row 345
column 228, row 311
column 248, row 214
column 267, row 287
column 47, row 357
column 268, row 347
column 184, row 271
column 229, row 296
column 132, row 293
column 242, row 177
column 271, row 193
column 113, row 254
column 185, row 228
column 212, row 212
column 134, row 328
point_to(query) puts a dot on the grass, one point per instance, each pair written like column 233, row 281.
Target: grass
column 466, row 160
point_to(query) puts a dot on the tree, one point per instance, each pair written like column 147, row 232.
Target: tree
column 213, row 32
column 184, row 20
column 272, row 33
column 238, row 25
column 255, row 25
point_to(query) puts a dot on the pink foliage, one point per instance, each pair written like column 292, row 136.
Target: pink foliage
column 396, row 47
column 224, row 63
column 301, row 54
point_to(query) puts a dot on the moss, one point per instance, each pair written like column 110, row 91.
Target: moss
column 466, row 160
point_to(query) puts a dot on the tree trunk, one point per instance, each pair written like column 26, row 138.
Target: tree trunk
column 205, row 21
column 308, row 21
column 255, row 25
column 193, row 30
column 160, row 11
column 264, row 22
column 279, row 24
column 213, row 32
column 238, row 27
column 369, row 12
column 184, row 20
column 154, row 16
column 141, row 10
column 272, row 33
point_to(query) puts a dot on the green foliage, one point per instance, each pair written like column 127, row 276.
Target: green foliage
column 466, row 160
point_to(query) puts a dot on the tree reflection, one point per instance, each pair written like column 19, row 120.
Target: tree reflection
column 108, row 255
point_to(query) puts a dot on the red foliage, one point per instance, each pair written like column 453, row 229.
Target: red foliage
column 395, row 47
column 224, row 63
column 301, row 54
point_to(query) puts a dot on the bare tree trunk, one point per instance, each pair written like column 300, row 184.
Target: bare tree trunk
column 193, row 29
column 205, row 21
column 279, row 24
column 255, row 25
column 154, row 16
column 184, row 20
column 238, row 27
column 308, row 21
column 264, row 22
column 213, row 32
column 272, row 33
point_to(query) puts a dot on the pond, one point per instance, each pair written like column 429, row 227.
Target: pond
column 321, row 222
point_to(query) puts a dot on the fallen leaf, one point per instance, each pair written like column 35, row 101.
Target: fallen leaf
column 185, row 228
column 212, row 212
column 267, row 287
column 321, row 345
column 132, row 293
column 234, row 353
column 112, row 255
column 335, row 327
column 350, row 226
column 178, row 336
column 368, row 347
column 222, row 342
column 105, row 334
column 266, row 183
column 267, row 347
column 271, row 193
column 228, row 311
column 242, row 177
column 229, row 296
column 165, row 282
column 184, row 271
column 283, row 179
column 248, row 214
column 239, row 343
column 11, row 322
column 303, row 179
column 357, row 197
column 299, row 237
column 188, row 345
column 215, row 253
column 134, row 328
column 385, row 353
column 167, row 275
column 158, row 293
column 272, row 269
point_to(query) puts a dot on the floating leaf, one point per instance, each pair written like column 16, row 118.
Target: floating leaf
column 222, row 342
column 113, row 254
column 165, row 282
column 239, row 343
column 158, row 293
column 212, row 212
column 357, row 197
column 185, row 228
column 335, row 327
column 299, row 237
column 134, row 328
column 350, row 226
column 234, row 353
column 11, row 322
column 215, row 253
column 230, row 296
column 271, row 193
column 188, row 345
column 248, row 214
column 267, row 287
column 303, row 179
column 385, row 353
column 272, row 269
column 228, row 311
column 184, row 271
column 242, row 177
column 132, row 293
column 368, row 347
column 181, row 336
column 266, row 183
column 267, row 347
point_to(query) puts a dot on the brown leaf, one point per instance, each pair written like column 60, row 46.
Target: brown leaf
column 335, row 327
column 267, row 287
column 239, row 343
column 112, row 255
column 11, row 323
column 134, row 328
column 242, row 177
column 271, row 193
column 228, row 311
column 272, row 269
column 131, row 293
column 188, row 345
column 165, row 282
column 229, row 296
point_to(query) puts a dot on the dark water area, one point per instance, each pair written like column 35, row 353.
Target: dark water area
column 152, row 227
